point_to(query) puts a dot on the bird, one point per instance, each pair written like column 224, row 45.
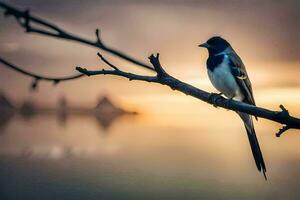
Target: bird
column 228, row 75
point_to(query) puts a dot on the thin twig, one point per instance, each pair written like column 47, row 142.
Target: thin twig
column 156, row 64
column 107, row 62
column 282, row 130
column 129, row 76
column 282, row 116
column 161, row 77
column 98, row 38
column 60, row 33
column 37, row 77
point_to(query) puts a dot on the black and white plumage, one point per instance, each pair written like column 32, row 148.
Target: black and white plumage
column 228, row 75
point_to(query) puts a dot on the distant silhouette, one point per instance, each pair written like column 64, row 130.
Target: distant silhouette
column 5, row 102
column 7, row 111
column 28, row 109
column 5, row 118
column 105, row 106
column 62, row 111
column 62, row 103
column 105, row 112
column 106, row 121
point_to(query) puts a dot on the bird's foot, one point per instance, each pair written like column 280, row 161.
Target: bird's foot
column 214, row 97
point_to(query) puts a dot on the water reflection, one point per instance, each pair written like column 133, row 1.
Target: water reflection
column 105, row 112
column 143, row 157
column 5, row 118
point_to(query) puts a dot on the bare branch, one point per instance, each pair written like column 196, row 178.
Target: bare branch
column 129, row 76
column 27, row 21
column 57, row 32
column 107, row 62
column 282, row 130
column 282, row 117
column 284, row 110
column 36, row 77
column 34, row 84
column 157, row 66
column 98, row 38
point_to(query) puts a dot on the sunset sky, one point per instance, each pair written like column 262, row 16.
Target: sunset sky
column 265, row 34
column 177, row 147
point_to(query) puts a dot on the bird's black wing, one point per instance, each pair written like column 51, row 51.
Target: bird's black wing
column 239, row 71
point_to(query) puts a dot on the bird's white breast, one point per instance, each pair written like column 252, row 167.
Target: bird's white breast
column 223, row 80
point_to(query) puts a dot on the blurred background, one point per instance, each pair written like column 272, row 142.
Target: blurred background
column 104, row 137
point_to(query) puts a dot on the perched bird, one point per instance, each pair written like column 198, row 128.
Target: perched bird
column 228, row 75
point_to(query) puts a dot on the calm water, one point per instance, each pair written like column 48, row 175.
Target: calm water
column 200, row 155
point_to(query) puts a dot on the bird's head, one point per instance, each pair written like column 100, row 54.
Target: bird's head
column 215, row 45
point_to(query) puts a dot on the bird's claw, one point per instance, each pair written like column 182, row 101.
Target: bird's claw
column 214, row 97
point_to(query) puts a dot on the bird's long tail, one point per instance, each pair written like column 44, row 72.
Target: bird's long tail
column 257, row 154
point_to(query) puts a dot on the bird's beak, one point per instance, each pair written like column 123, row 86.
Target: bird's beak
column 204, row 45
